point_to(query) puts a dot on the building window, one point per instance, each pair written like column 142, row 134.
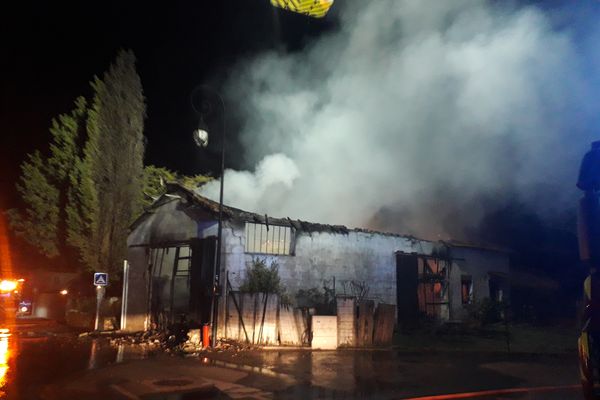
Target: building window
column 432, row 293
column 268, row 239
column 466, row 289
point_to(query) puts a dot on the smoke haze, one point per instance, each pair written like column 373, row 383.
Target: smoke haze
column 413, row 117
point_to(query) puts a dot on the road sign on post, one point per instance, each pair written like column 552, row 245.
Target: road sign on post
column 100, row 281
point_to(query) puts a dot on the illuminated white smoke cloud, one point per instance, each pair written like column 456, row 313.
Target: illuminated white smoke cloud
column 410, row 113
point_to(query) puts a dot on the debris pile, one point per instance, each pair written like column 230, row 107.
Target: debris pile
column 173, row 340
column 154, row 338
column 193, row 346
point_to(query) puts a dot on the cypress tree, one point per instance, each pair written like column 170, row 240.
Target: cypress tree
column 89, row 189
column 44, row 182
column 108, row 184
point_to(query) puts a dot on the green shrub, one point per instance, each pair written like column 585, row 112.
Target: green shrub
column 262, row 279
column 487, row 311
column 322, row 301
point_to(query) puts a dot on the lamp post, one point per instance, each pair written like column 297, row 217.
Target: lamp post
column 211, row 107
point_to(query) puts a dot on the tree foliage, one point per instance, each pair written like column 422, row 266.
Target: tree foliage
column 44, row 184
column 194, row 181
column 87, row 191
column 262, row 279
column 113, row 161
column 154, row 182
column 155, row 179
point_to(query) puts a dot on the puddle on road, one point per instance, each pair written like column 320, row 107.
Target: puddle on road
column 27, row 365
column 320, row 374
column 6, row 352
column 103, row 353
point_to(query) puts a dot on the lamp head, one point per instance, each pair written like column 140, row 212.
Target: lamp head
column 201, row 137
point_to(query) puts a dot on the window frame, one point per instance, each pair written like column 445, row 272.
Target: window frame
column 273, row 232
column 466, row 279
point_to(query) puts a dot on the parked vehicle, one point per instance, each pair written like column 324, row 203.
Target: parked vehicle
column 25, row 308
column 10, row 298
column 589, row 249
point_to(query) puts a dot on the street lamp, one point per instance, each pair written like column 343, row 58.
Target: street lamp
column 211, row 107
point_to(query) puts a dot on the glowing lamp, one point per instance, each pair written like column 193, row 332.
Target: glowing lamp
column 64, row 292
column 312, row 8
column 7, row 286
column 24, row 309
column 201, row 137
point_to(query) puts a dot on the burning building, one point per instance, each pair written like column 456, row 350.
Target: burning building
column 172, row 247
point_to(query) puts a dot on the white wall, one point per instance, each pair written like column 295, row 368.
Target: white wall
column 478, row 263
column 320, row 256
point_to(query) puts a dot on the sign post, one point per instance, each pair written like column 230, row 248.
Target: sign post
column 100, row 281
column 125, row 295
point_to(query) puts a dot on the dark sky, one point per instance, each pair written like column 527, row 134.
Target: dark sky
column 51, row 50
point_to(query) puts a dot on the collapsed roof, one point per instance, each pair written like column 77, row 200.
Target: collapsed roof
column 177, row 190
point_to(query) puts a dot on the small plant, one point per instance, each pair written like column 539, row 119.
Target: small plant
column 262, row 279
column 487, row 311
column 322, row 301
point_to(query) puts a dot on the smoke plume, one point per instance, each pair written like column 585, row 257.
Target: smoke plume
column 414, row 116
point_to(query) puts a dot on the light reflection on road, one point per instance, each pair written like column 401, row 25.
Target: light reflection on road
column 5, row 355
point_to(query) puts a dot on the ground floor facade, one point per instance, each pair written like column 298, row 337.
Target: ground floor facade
column 172, row 251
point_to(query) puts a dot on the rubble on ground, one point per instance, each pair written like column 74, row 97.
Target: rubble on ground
column 161, row 340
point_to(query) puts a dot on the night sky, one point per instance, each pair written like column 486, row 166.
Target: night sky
column 51, row 51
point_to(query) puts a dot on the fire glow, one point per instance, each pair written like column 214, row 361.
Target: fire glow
column 8, row 285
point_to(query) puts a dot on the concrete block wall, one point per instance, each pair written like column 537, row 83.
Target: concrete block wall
column 322, row 256
column 346, row 321
column 478, row 264
column 325, row 332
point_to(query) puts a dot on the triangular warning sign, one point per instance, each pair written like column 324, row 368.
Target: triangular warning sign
column 100, row 279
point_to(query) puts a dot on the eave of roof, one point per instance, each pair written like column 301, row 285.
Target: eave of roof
column 476, row 246
column 236, row 214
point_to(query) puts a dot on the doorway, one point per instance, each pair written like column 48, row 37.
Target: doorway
column 421, row 288
column 181, row 282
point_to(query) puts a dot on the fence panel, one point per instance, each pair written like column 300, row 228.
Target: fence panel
column 384, row 324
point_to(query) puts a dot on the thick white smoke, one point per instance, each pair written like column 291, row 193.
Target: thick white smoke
column 410, row 114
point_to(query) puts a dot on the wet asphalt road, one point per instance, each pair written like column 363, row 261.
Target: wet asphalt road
column 38, row 352
column 37, row 355
column 392, row 375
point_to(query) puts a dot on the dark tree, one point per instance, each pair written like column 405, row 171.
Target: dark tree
column 89, row 189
